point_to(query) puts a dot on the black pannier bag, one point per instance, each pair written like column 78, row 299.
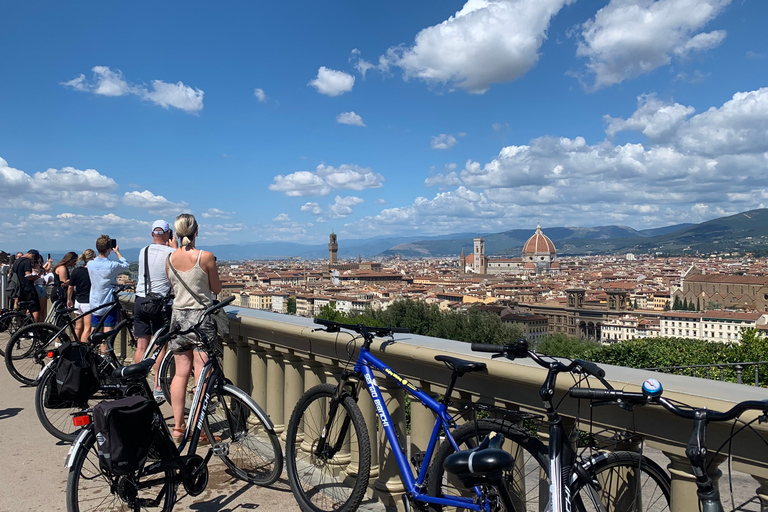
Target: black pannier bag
column 77, row 373
column 52, row 399
column 124, row 431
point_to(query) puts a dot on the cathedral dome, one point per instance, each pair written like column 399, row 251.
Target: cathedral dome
column 539, row 244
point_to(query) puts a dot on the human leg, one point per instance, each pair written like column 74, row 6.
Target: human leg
column 183, row 362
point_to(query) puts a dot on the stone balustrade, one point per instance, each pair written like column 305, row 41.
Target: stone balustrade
column 278, row 357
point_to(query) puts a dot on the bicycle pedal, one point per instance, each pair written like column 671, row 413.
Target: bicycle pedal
column 220, row 449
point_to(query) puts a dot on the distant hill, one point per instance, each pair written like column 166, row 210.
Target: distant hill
column 743, row 232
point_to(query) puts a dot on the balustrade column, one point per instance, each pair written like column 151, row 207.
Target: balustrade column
column 230, row 359
column 313, row 372
column 365, row 403
column 275, row 388
column 258, row 373
column 389, row 485
column 762, row 492
column 294, row 386
column 422, row 422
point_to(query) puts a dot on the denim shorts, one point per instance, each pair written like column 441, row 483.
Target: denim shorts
column 110, row 321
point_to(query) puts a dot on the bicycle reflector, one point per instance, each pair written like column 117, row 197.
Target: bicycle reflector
column 50, row 354
column 81, row 420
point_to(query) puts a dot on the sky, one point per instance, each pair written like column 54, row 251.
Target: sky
column 286, row 121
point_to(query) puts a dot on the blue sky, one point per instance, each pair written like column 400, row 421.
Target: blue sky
column 287, row 120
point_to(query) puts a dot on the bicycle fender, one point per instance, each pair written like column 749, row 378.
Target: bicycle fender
column 76, row 447
column 582, row 470
column 247, row 398
column 45, row 368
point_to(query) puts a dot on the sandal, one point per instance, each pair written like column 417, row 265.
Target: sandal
column 178, row 433
column 205, row 441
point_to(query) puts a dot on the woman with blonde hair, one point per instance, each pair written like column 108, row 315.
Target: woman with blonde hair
column 194, row 277
column 78, row 294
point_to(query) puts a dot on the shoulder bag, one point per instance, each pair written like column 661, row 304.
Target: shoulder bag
column 154, row 303
column 220, row 317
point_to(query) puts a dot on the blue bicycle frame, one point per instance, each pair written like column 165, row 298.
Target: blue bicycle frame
column 365, row 362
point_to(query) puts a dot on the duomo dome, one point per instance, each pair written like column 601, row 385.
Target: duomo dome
column 539, row 252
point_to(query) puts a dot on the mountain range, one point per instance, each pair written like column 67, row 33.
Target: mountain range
column 742, row 232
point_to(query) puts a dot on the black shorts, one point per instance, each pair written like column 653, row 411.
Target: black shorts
column 27, row 294
column 144, row 326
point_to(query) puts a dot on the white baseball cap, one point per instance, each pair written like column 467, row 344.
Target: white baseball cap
column 161, row 224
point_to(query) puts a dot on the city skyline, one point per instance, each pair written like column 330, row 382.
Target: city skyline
column 290, row 121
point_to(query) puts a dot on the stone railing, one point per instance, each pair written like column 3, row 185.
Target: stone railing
column 277, row 357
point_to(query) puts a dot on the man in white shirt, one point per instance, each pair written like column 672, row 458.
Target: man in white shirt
column 152, row 259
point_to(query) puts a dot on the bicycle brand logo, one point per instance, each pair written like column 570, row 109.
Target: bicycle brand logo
column 376, row 400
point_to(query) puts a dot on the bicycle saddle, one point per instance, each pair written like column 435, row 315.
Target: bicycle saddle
column 483, row 464
column 26, row 304
column 135, row 371
column 461, row 366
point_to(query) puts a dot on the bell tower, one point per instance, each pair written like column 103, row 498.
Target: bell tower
column 333, row 249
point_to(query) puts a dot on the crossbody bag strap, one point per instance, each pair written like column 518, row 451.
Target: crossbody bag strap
column 147, row 281
column 193, row 294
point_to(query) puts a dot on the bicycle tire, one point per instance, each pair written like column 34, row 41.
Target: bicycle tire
column 57, row 420
column 87, row 483
column 242, row 441
column 11, row 321
column 323, row 483
column 524, row 480
column 24, row 353
column 616, row 472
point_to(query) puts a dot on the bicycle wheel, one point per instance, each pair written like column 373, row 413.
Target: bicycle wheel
column 11, row 321
column 527, row 480
column 334, row 478
column 26, row 351
column 627, row 481
column 242, row 440
column 90, row 489
column 54, row 413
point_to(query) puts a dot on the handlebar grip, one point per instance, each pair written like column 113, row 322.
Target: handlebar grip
column 323, row 321
column 488, row 347
column 590, row 368
column 228, row 300
column 399, row 329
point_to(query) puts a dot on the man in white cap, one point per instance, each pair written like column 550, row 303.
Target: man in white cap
column 152, row 281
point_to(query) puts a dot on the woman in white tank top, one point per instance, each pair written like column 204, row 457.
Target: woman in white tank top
column 199, row 272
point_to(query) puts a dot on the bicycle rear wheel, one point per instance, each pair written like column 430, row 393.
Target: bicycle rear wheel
column 26, row 351
column 627, row 481
column 241, row 439
column 526, row 481
column 91, row 489
column 335, row 477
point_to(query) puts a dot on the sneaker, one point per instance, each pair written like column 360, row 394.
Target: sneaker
column 158, row 396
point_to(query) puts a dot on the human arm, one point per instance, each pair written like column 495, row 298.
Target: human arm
column 208, row 263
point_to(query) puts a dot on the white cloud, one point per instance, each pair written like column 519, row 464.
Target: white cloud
column 653, row 118
column 301, row 183
column 350, row 118
column 107, row 82
column 342, row 206
column 153, row 203
column 215, row 213
column 260, row 95
column 351, row 177
column 312, row 208
column 443, row 141
column 283, row 217
column 331, row 82
column 629, row 38
column 486, row 42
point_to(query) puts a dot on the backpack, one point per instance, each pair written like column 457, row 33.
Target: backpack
column 124, row 431
column 77, row 373
column 14, row 286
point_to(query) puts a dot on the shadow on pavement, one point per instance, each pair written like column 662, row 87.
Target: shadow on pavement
column 10, row 412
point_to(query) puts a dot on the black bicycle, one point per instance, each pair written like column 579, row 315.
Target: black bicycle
column 27, row 349
column 239, row 431
column 696, row 451
column 11, row 320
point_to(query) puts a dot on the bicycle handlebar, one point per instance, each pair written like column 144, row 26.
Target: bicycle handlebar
column 365, row 330
column 211, row 309
column 520, row 350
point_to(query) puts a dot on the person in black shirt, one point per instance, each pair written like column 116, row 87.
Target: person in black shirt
column 23, row 269
column 78, row 295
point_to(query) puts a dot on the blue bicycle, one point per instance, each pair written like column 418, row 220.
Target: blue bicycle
column 328, row 447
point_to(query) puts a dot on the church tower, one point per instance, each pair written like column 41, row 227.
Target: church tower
column 333, row 250
column 480, row 265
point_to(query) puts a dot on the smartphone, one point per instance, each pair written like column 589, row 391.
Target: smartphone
column 112, row 243
column 170, row 236
column 49, row 255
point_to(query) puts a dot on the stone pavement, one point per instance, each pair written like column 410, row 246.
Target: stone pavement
column 33, row 477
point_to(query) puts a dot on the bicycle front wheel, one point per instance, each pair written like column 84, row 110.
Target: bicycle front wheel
column 627, row 481
column 54, row 413
column 91, row 489
column 327, row 473
column 240, row 438
column 26, row 351
column 526, row 481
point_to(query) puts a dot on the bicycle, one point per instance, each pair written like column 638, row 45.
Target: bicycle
column 55, row 413
column 11, row 320
column 696, row 450
column 586, row 482
column 240, row 432
column 27, row 349
column 327, row 445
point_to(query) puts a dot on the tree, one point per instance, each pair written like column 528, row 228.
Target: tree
column 291, row 306
column 677, row 304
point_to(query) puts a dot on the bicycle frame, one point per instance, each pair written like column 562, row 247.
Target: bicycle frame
column 413, row 483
